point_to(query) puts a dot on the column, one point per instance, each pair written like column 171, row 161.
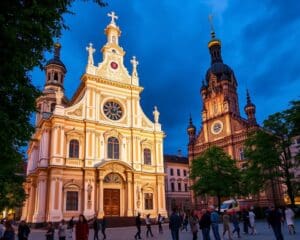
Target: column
column 100, row 198
column 129, row 194
column 40, row 206
column 55, row 200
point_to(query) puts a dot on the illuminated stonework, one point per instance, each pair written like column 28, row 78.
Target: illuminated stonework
column 87, row 155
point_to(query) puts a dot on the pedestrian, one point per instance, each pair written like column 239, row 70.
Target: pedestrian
column 138, row 224
column 148, row 225
column 103, row 226
column 96, row 227
column 275, row 219
column 214, row 218
column 23, row 231
column 289, row 217
column 9, row 233
column 82, row 228
column 2, row 229
column 185, row 223
column 194, row 228
column 62, row 230
column 226, row 226
column 70, row 228
column 252, row 221
column 160, row 221
column 235, row 223
column 204, row 224
column 50, row 231
column 245, row 218
column 174, row 224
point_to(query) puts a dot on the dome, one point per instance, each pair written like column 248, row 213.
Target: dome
column 221, row 71
column 56, row 62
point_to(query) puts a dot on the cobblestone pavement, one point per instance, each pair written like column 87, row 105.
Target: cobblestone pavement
column 127, row 233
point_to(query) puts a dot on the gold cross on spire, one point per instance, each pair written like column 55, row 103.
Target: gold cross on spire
column 113, row 17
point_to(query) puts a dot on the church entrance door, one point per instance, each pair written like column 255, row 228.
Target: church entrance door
column 111, row 199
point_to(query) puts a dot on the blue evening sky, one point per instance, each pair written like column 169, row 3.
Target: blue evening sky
column 260, row 42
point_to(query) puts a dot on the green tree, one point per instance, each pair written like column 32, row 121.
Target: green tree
column 262, row 163
column 27, row 30
column 215, row 173
column 268, row 152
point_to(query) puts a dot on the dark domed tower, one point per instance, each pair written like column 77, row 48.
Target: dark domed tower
column 222, row 124
column 53, row 90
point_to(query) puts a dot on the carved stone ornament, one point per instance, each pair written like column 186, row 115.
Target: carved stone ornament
column 113, row 178
column 77, row 111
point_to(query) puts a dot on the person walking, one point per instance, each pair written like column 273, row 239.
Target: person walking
column 275, row 219
column 50, row 232
column 103, row 226
column 194, row 228
column 9, row 233
column 138, row 224
column 185, row 223
column 174, row 224
column 2, row 229
column 148, row 225
column 289, row 217
column 70, row 228
column 62, row 230
column 96, row 227
column 82, row 228
column 204, row 224
column 226, row 226
column 160, row 221
column 252, row 221
column 235, row 223
column 245, row 218
column 214, row 218
column 23, row 231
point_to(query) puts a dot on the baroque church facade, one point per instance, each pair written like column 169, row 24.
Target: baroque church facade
column 222, row 124
column 97, row 153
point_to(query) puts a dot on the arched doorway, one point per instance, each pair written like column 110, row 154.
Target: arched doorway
column 112, row 194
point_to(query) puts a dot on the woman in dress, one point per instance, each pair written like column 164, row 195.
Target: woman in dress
column 289, row 217
column 82, row 229
column 252, row 221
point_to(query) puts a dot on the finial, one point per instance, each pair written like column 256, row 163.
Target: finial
column 191, row 121
column 248, row 97
column 90, row 51
column 57, row 48
column 113, row 17
column 212, row 30
column 134, row 63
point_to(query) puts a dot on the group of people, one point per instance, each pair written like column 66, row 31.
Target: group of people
column 210, row 219
column 7, row 231
column 65, row 231
column 148, row 223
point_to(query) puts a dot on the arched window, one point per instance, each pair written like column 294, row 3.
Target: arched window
column 74, row 149
column 55, row 76
column 147, row 156
column 113, row 148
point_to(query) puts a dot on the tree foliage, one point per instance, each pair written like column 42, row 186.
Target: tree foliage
column 215, row 173
column 27, row 29
column 268, row 152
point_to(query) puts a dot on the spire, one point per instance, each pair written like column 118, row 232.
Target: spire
column 214, row 44
column 191, row 129
column 250, row 109
column 57, row 48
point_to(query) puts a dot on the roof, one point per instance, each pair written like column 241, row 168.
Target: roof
column 175, row 159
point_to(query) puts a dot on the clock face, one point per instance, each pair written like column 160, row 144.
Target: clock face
column 112, row 110
column 217, row 127
column 114, row 65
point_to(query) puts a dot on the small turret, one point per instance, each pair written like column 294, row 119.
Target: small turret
column 55, row 70
column 250, row 110
column 191, row 130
